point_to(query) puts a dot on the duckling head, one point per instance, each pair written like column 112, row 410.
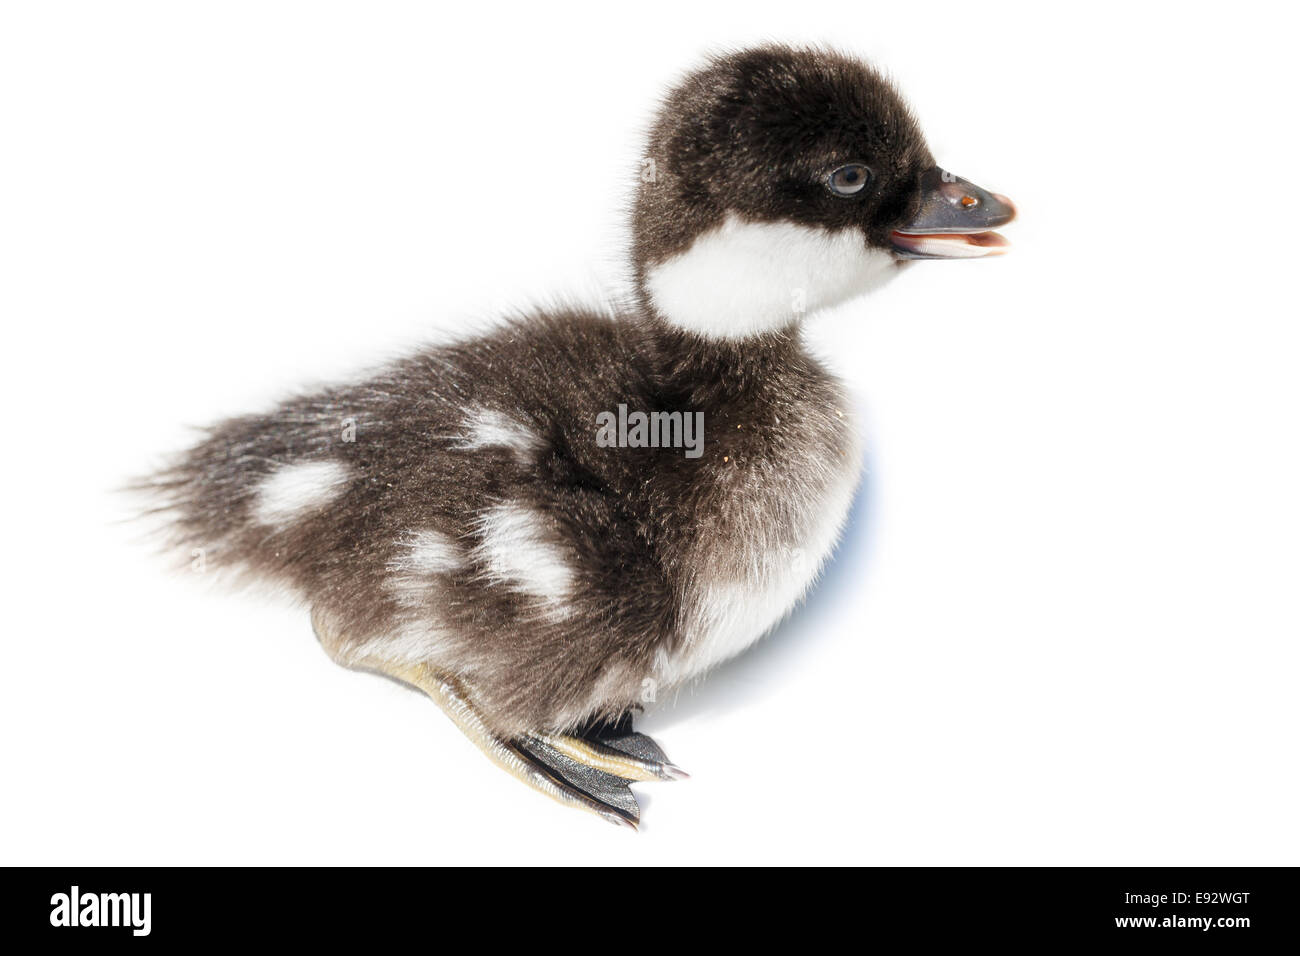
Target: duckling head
column 779, row 181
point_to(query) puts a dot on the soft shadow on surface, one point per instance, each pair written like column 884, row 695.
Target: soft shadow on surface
column 758, row 671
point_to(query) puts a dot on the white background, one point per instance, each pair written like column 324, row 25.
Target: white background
column 1062, row 627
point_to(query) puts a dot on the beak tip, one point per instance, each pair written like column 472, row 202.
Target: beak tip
column 1011, row 207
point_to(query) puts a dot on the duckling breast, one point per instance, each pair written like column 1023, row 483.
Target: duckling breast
column 782, row 493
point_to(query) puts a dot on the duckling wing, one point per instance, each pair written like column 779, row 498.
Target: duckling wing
column 454, row 509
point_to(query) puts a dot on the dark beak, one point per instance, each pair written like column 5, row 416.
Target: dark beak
column 956, row 221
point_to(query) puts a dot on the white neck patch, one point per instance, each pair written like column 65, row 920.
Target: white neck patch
column 746, row 278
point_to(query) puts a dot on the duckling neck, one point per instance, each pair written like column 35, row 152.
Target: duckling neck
column 704, row 373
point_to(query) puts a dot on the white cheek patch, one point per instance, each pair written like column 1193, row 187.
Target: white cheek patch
column 520, row 553
column 746, row 278
column 487, row 428
column 295, row 491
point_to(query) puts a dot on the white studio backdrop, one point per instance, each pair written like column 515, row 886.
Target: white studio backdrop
column 1061, row 628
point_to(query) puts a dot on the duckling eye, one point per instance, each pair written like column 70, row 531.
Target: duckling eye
column 848, row 179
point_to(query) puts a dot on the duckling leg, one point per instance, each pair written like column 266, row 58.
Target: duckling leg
column 589, row 771
column 614, row 748
column 529, row 759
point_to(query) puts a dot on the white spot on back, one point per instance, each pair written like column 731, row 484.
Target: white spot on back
column 298, row 490
column 520, row 553
column 488, row 428
column 429, row 552
column 423, row 556
column 415, row 578
column 746, row 278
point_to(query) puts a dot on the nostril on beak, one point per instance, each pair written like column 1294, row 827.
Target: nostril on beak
column 952, row 205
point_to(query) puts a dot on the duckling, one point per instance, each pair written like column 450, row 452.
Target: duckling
column 547, row 525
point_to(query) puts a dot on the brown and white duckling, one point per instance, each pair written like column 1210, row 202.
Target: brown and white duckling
column 539, row 525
